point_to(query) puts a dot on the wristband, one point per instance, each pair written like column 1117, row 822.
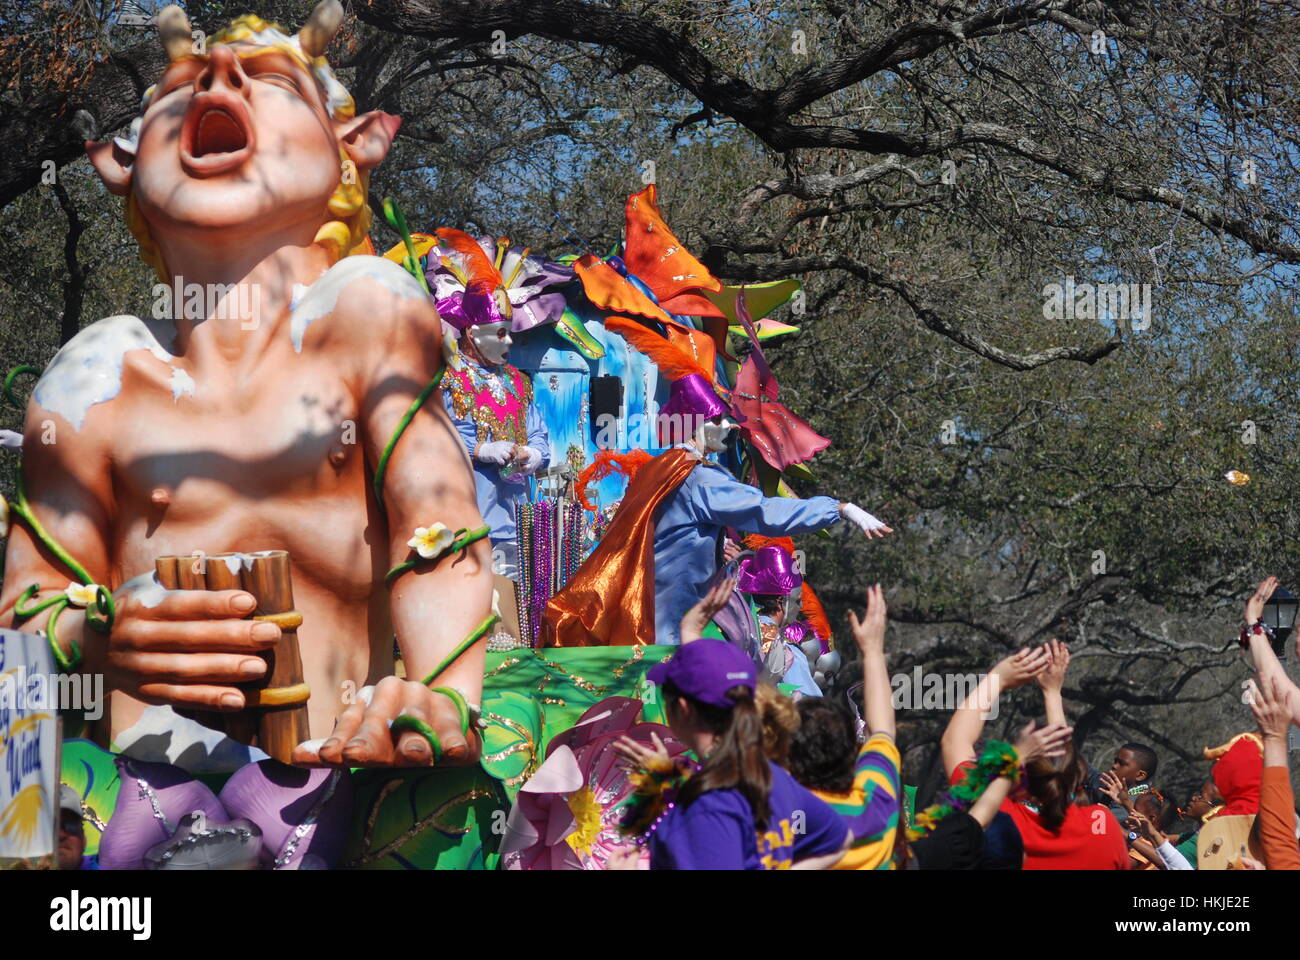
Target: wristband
column 1259, row 629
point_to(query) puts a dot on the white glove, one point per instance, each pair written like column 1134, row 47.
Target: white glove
column 865, row 522
column 530, row 459
column 495, row 451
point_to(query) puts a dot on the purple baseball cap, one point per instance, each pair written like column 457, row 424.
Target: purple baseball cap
column 706, row 669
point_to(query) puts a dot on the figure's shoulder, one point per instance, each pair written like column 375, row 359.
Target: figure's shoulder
column 87, row 370
column 373, row 291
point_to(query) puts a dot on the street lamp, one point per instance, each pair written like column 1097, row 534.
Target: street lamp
column 1279, row 616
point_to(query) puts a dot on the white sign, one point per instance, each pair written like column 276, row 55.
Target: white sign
column 29, row 779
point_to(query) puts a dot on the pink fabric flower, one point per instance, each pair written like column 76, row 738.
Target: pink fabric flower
column 566, row 816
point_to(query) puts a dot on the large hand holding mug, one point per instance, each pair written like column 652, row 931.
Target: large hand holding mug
column 185, row 648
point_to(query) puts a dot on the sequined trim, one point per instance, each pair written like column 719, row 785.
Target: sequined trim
column 308, row 823
column 432, row 820
column 497, row 403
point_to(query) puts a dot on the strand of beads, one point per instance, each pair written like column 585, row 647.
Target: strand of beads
column 543, row 557
column 524, row 529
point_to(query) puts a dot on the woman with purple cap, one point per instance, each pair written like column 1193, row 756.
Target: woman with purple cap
column 489, row 401
column 738, row 811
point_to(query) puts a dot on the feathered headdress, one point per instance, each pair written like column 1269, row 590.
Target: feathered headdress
column 466, row 259
column 671, row 359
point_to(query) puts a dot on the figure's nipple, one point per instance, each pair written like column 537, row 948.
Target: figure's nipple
column 337, row 455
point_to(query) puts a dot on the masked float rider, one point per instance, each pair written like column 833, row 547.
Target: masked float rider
column 665, row 542
column 489, row 401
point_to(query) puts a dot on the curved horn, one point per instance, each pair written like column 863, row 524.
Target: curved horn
column 320, row 27
column 174, row 31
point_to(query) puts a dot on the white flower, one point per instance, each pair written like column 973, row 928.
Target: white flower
column 431, row 541
column 82, row 595
column 450, row 348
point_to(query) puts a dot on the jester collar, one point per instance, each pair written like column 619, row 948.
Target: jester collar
column 495, row 400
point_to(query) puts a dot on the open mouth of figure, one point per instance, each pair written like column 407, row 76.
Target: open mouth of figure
column 216, row 136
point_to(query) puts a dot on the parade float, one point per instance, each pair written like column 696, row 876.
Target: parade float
column 502, row 756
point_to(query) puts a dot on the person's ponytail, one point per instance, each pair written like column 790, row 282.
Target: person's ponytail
column 737, row 761
column 1053, row 784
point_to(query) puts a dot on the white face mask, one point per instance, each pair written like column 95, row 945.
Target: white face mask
column 713, row 436
column 492, row 340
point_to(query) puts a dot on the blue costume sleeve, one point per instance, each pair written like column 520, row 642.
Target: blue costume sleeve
column 466, row 429
column 539, row 438
column 726, row 502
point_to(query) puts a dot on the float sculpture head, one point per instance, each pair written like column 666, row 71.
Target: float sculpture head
column 249, row 133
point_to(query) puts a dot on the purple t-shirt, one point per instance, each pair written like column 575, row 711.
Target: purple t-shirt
column 716, row 832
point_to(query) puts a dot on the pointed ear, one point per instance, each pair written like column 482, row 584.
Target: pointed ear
column 367, row 138
column 113, row 164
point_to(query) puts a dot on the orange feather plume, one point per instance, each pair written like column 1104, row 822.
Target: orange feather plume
column 757, row 542
column 813, row 611
column 606, row 463
column 468, row 257
column 672, row 360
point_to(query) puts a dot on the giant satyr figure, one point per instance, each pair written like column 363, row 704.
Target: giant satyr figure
column 253, row 411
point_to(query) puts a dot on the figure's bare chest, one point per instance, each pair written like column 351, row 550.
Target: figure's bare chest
column 289, row 427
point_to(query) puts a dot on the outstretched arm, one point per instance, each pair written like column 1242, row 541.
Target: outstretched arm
column 1052, row 679
column 730, row 503
column 967, row 723
column 878, row 705
column 1266, row 663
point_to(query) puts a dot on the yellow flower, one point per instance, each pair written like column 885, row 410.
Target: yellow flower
column 81, row 595
column 4, row 517
column 586, row 812
column 1237, row 478
column 431, row 541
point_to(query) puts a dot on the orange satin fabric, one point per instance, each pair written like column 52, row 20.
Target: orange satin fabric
column 611, row 599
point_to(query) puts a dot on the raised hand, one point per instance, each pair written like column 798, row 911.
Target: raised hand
column 362, row 737
column 698, row 617
column 186, row 648
column 1113, row 787
column 1269, row 702
column 1255, row 605
column 1052, row 677
column 1143, row 825
column 869, row 632
column 1047, row 742
column 641, row 756
column 1021, row 667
